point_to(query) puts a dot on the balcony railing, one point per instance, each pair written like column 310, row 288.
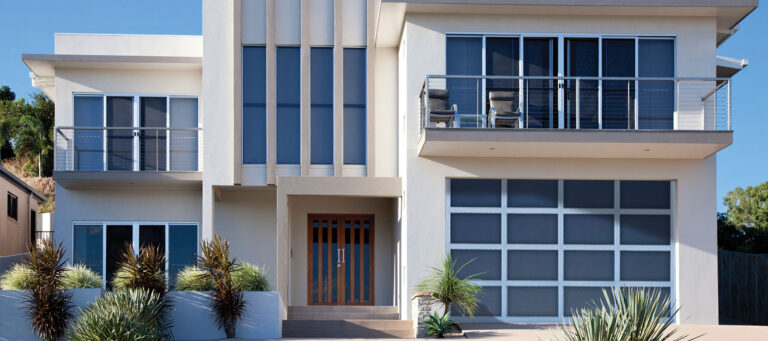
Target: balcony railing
column 576, row 102
column 128, row 149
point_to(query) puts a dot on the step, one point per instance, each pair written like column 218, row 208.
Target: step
column 343, row 309
column 351, row 328
column 342, row 316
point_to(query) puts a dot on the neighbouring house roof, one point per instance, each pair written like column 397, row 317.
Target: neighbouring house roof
column 16, row 181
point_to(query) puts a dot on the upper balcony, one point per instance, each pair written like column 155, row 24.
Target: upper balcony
column 88, row 157
column 592, row 117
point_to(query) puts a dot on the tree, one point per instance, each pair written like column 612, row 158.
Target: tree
column 28, row 128
column 6, row 95
column 748, row 207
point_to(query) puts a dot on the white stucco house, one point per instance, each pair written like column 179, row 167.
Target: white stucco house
column 348, row 145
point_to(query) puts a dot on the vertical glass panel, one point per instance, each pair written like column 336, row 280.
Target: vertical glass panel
column 576, row 298
column 184, row 142
column 335, row 267
column 88, row 247
column 118, row 237
column 254, row 105
column 288, row 94
column 645, row 194
column 582, row 60
column 645, row 265
column 315, row 264
column 532, row 193
column 532, row 301
column 367, row 263
column 588, row 228
column 534, row 265
column 476, row 228
column 656, row 99
column 326, row 260
column 88, row 151
column 152, row 236
column 321, row 113
column 618, row 95
column 645, row 229
column 588, row 194
column 120, row 141
column 182, row 249
column 588, row 265
column 347, row 260
column 540, row 95
column 152, row 142
column 488, row 303
column 502, row 58
column 354, row 106
column 475, row 193
column 487, row 262
column 357, row 253
column 464, row 56
column 532, row 228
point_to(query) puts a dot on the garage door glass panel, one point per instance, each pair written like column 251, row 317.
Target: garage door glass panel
column 475, row 228
column 588, row 194
column 475, row 193
column 531, row 193
column 582, row 297
column 532, row 265
column 588, row 228
column 645, row 266
column 488, row 303
column 532, row 229
column 484, row 262
column 645, row 229
column 645, row 194
column 588, row 265
column 532, row 301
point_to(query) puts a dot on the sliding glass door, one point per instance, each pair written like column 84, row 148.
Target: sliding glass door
column 152, row 142
column 618, row 95
column 119, row 139
column 656, row 99
column 582, row 60
column 540, row 97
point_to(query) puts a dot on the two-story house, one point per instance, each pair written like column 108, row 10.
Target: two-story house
column 348, row 145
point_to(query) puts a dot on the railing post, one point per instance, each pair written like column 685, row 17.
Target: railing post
column 637, row 105
column 729, row 105
column 600, row 104
column 426, row 102
column 676, row 117
column 578, row 103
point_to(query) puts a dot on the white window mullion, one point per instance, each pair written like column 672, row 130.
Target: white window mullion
column 560, row 249
column 616, row 233
column 104, row 255
column 167, row 250
column 136, row 133
column 504, row 246
column 135, row 236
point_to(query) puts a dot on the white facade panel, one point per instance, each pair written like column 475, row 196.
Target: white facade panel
column 288, row 22
column 354, row 22
column 254, row 14
column 321, row 22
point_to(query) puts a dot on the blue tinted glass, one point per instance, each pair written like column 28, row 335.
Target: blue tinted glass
column 354, row 106
column 464, row 56
column 475, row 193
column 645, row 266
column 645, row 194
column 656, row 99
column 576, row 298
column 588, row 194
column 532, row 229
column 321, row 115
column 645, row 229
column 532, row 301
column 288, row 97
column 532, row 193
column 487, row 263
column 588, row 265
column 254, row 105
column 532, row 265
column 88, row 246
column 182, row 251
column 120, row 141
column 475, row 228
column 588, row 228
column 618, row 95
column 89, row 144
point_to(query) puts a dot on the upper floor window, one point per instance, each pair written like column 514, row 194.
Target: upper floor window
column 354, row 106
column 321, row 114
column 13, row 206
column 288, row 94
column 254, row 105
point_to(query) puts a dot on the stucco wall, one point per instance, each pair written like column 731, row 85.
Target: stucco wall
column 14, row 233
column 129, row 44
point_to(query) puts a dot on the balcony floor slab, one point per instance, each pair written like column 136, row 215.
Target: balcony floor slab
column 89, row 179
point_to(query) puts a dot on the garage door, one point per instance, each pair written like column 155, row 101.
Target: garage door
column 547, row 247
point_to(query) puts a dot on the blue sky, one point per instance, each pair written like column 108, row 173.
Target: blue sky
column 35, row 21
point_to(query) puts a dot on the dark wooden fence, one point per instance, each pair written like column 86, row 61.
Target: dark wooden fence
column 743, row 281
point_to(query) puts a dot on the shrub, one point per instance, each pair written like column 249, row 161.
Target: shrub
column 438, row 325
column 192, row 279
column 625, row 315
column 145, row 270
column 19, row 277
column 130, row 314
column 249, row 277
column 80, row 277
column 446, row 286
column 48, row 305
column 228, row 302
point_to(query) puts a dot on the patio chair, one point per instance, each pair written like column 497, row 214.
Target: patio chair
column 505, row 109
column 440, row 111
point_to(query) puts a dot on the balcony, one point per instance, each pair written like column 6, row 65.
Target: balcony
column 90, row 157
column 592, row 117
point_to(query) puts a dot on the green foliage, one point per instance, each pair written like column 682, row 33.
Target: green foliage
column 228, row 302
column 249, row 277
column 48, row 305
column 748, row 207
column 19, row 277
column 192, row 278
column 28, row 127
column 6, row 94
column 80, row 277
column 447, row 286
column 635, row 314
column 143, row 271
column 438, row 325
column 740, row 238
column 123, row 315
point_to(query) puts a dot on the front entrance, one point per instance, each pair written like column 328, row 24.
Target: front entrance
column 340, row 259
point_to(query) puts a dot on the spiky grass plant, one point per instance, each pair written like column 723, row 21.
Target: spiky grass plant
column 249, row 277
column 629, row 314
column 145, row 270
column 228, row 302
column 447, row 286
column 438, row 325
column 191, row 278
column 123, row 315
column 48, row 305
column 80, row 277
column 19, row 277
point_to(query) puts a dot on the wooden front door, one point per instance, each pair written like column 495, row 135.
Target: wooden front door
column 340, row 264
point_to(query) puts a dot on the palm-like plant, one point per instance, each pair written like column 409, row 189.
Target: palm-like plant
column 446, row 286
column 48, row 304
column 438, row 326
column 228, row 301
column 143, row 271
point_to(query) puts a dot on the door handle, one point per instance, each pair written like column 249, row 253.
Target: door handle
column 343, row 255
column 338, row 257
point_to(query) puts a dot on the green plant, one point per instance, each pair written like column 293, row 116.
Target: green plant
column 192, row 278
column 228, row 302
column 48, row 305
column 19, row 277
column 635, row 314
column 145, row 270
column 447, row 286
column 249, row 277
column 438, row 325
column 123, row 315
column 80, row 277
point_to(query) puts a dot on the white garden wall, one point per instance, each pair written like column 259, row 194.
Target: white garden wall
column 14, row 324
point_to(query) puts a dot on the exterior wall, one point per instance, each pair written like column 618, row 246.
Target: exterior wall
column 384, row 257
column 129, row 45
column 15, row 233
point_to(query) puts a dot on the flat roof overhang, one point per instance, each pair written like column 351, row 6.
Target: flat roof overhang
column 391, row 15
column 93, row 179
column 549, row 143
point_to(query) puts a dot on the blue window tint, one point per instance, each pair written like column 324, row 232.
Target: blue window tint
column 645, row 194
column 479, row 228
column 182, row 249
column 464, row 56
column 88, row 247
column 288, row 99
column 645, row 265
column 532, row 193
column 354, row 106
column 89, row 144
column 532, row 228
column 656, row 99
column 475, row 193
column 321, row 115
column 588, row 265
column 645, row 230
column 486, row 263
column 588, row 228
column 254, row 105
column 588, row 194
column 532, row 265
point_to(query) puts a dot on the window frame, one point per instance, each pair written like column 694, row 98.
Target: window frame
column 13, row 206
column 266, row 107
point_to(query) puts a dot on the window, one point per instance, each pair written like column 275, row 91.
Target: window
column 321, row 112
column 354, row 106
column 288, row 98
column 13, row 206
column 254, row 105
column 89, row 144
